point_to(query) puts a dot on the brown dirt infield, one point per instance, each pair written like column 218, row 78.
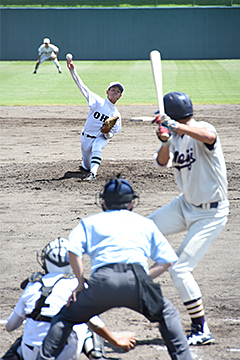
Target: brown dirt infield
column 43, row 196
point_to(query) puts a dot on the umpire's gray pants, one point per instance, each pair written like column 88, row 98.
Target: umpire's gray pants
column 110, row 287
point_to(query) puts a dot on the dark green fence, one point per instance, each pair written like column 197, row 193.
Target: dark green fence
column 116, row 3
column 122, row 33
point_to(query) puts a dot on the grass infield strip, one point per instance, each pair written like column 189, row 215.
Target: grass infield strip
column 205, row 81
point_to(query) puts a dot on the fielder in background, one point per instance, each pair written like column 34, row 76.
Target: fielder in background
column 49, row 52
column 194, row 151
column 119, row 243
column 93, row 137
column 43, row 296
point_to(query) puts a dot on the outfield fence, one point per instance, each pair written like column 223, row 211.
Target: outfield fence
column 116, row 3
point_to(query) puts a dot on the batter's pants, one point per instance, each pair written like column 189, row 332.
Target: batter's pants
column 203, row 226
column 111, row 287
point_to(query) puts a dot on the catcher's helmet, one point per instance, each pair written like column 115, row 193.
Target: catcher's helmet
column 178, row 105
column 117, row 194
column 54, row 257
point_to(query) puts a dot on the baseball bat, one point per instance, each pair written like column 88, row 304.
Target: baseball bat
column 155, row 58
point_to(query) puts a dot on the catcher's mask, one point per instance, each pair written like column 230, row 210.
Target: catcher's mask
column 117, row 194
column 54, row 257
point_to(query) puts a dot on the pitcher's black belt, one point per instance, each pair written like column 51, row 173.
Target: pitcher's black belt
column 29, row 346
column 208, row 205
column 90, row 136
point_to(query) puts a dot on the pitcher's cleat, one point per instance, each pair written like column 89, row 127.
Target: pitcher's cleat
column 91, row 176
column 197, row 337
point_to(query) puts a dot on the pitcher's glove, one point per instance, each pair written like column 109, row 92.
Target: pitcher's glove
column 109, row 124
column 166, row 120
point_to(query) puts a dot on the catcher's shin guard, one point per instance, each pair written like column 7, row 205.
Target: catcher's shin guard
column 41, row 356
column 93, row 346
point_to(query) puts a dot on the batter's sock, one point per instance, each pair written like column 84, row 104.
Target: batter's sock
column 196, row 313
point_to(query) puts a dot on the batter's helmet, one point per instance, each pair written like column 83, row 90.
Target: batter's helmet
column 54, row 257
column 178, row 105
column 117, row 194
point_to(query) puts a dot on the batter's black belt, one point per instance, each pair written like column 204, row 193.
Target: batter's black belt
column 29, row 346
column 208, row 205
column 90, row 136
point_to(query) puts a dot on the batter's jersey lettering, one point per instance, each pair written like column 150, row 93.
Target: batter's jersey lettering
column 200, row 170
column 184, row 160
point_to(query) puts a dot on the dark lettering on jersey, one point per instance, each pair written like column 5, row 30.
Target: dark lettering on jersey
column 184, row 160
column 99, row 116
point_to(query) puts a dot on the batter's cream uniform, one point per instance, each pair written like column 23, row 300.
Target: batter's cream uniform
column 92, row 140
column 35, row 331
column 202, row 207
column 47, row 53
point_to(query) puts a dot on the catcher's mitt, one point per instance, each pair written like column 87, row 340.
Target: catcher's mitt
column 109, row 124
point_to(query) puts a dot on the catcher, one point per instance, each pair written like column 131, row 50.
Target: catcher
column 49, row 52
column 103, row 121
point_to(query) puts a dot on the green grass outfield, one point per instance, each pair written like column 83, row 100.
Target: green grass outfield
column 206, row 81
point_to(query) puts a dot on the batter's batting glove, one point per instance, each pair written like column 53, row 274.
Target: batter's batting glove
column 164, row 134
column 166, row 120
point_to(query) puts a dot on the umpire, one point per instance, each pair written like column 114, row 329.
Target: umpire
column 119, row 243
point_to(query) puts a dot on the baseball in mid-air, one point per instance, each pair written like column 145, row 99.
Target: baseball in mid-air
column 69, row 56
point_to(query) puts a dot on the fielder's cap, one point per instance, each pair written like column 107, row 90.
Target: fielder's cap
column 116, row 83
column 46, row 40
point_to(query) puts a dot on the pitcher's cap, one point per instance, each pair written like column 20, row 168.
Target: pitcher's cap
column 116, row 83
column 46, row 40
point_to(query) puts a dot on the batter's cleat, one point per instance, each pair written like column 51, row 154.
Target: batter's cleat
column 197, row 337
column 91, row 176
column 34, row 72
column 60, row 72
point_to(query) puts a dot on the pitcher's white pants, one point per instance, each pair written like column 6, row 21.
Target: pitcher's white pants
column 90, row 147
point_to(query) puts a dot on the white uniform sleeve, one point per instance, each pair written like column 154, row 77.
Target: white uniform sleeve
column 109, row 135
column 54, row 48
column 158, row 166
column 82, row 87
column 14, row 321
column 96, row 322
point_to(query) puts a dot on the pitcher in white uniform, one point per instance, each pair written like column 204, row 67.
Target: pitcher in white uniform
column 194, row 151
column 92, row 139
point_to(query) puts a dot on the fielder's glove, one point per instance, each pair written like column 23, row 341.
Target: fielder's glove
column 166, row 120
column 109, row 124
